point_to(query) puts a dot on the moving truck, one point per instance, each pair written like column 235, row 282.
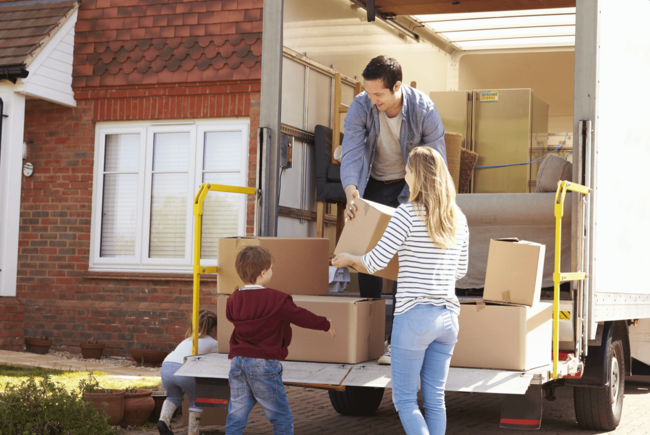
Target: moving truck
column 607, row 334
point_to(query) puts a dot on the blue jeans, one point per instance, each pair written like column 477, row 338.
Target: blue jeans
column 254, row 380
column 176, row 386
column 423, row 342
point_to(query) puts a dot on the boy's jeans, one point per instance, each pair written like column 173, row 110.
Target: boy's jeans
column 423, row 342
column 254, row 380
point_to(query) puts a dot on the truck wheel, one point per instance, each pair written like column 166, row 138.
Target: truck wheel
column 601, row 408
column 356, row 400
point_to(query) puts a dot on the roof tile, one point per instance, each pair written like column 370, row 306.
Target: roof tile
column 160, row 21
column 175, row 20
column 253, row 14
column 198, row 30
column 124, row 12
column 245, row 4
column 190, row 19
column 110, row 13
column 183, row 8
column 146, row 21
column 27, row 28
column 166, row 32
column 151, row 32
column 198, row 7
column 229, row 5
column 168, row 9
column 144, row 41
column 214, row 5
column 131, row 22
column 154, row 10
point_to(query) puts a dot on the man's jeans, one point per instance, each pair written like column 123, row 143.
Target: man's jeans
column 423, row 342
column 254, row 380
column 378, row 191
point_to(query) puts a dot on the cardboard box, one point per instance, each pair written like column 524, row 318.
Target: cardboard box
column 504, row 337
column 301, row 265
column 359, row 323
column 209, row 416
column 514, row 272
column 361, row 234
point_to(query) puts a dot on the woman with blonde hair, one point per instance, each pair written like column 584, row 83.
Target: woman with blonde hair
column 430, row 235
column 177, row 386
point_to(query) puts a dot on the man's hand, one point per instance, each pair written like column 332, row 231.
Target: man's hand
column 332, row 330
column 351, row 193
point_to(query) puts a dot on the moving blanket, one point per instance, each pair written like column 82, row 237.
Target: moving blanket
column 526, row 216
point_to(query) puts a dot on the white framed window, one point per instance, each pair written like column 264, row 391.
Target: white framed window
column 145, row 179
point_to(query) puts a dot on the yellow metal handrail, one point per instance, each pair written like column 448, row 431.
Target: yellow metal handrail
column 558, row 277
column 197, row 269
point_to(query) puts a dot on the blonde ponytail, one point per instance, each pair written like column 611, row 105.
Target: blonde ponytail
column 433, row 195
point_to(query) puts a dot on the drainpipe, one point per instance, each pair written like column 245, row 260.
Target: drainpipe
column 13, row 73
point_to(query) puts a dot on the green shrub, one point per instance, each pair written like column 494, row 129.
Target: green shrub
column 45, row 408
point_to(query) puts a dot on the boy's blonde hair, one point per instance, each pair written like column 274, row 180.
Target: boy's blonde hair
column 251, row 262
column 433, row 195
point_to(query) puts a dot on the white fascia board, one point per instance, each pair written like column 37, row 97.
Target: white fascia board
column 37, row 84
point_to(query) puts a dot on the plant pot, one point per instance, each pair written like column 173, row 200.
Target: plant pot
column 115, row 401
column 148, row 358
column 137, row 408
column 158, row 400
column 92, row 351
column 37, row 345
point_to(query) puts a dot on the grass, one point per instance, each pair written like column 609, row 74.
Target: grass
column 70, row 379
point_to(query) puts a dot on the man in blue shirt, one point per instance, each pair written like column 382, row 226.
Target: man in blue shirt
column 382, row 126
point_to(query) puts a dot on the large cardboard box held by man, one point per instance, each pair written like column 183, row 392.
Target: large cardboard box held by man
column 359, row 327
column 514, row 272
column 300, row 267
column 504, row 337
column 361, row 234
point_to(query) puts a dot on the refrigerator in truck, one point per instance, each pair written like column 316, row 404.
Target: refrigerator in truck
column 498, row 125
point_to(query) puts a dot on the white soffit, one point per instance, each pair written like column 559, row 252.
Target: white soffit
column 508, row 29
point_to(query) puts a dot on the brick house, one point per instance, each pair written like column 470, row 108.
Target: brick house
column 165, row 97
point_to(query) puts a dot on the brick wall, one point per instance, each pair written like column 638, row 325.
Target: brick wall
column 60, row 298
column 12, row 318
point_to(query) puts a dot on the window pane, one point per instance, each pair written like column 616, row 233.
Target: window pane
column 122, row 153
column 171, row 152
column 119, row 212
column 168, row 215
column 222, row 151
column 220, row 213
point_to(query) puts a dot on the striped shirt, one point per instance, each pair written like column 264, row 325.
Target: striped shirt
column 427, row 274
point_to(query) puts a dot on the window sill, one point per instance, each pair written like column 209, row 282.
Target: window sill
column 140, row 276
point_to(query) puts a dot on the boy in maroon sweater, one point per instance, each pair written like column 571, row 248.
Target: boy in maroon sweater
column 262, row 335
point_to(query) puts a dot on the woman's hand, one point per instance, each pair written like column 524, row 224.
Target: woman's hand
column 343, row 260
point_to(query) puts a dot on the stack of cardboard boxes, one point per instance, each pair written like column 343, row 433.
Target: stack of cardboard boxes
column 301, row 269
column 511, row 329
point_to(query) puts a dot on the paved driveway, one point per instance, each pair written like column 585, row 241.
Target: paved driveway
column 467, row 414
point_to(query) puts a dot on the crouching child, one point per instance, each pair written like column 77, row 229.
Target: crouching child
column 262, row 335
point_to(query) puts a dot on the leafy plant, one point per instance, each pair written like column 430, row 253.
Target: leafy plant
column 92, row 340
column 45, row 408
column 89, row 385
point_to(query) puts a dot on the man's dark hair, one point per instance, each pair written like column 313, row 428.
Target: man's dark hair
column 385, row 68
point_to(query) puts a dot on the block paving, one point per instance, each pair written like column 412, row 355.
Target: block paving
column 467, row 414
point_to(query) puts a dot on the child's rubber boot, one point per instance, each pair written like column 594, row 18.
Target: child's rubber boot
column 193, row 425
column 166, row 414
